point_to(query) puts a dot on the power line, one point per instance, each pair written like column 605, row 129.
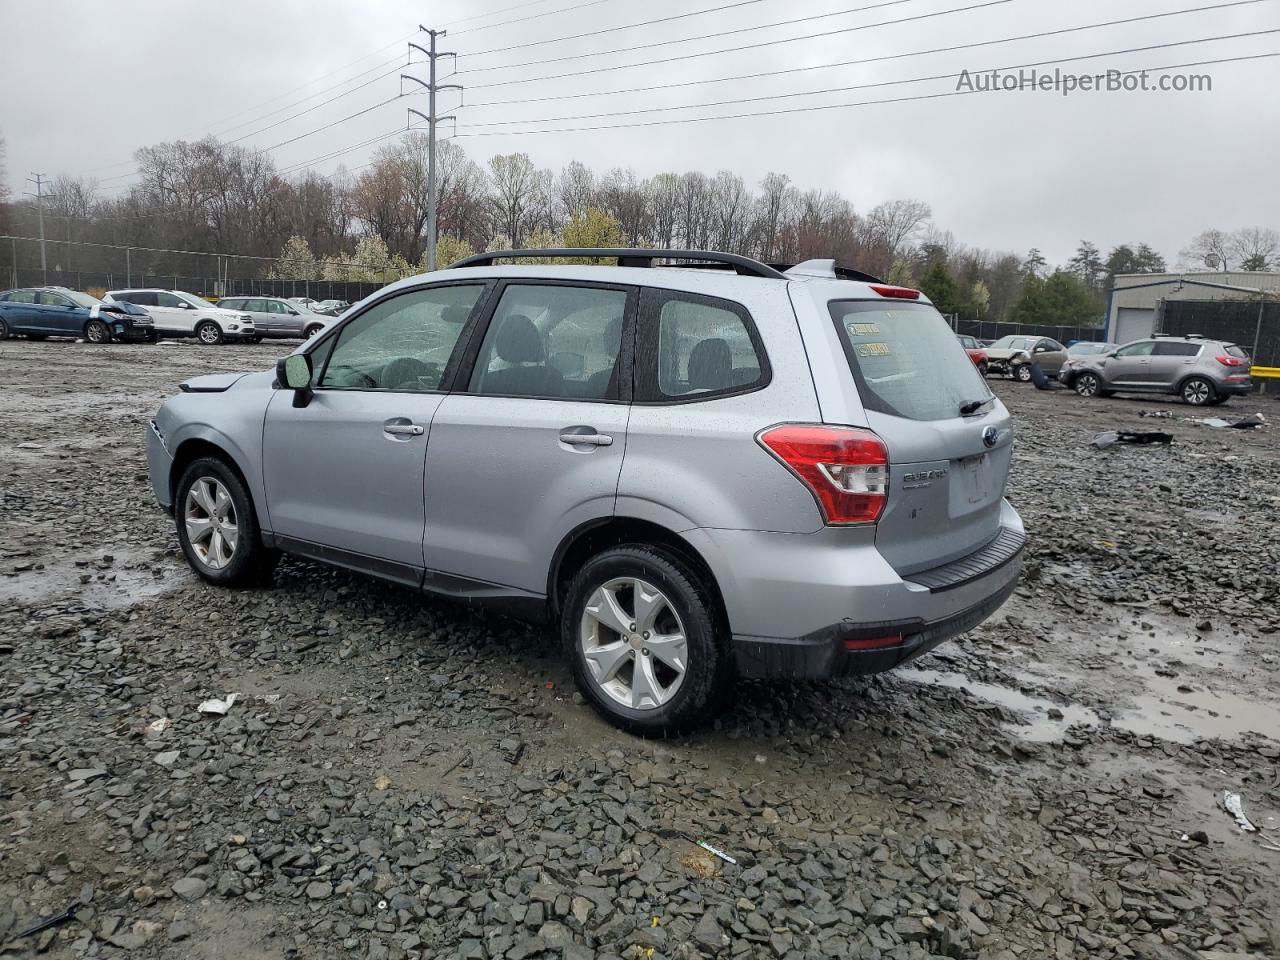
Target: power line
column 535, row 16
column 820, row 66
column 832, row 106
column 190, row 253
column 350, row 116
column 772, row 43
column 866, row 86
column 738, row 30
column 322, row 103
column 618, row 29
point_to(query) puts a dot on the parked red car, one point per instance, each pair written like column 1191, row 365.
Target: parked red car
column 975, row 351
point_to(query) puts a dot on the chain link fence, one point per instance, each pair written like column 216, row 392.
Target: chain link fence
column 1252, row 324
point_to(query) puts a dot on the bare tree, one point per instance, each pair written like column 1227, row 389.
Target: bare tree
column 1213, row 249
column 731, row 211
column 513, row 182
column 623, row 197
column 694, row 218
column 774, row 208
column 895, row 222
column 576, row 189
column 1256, row 248
column 662, row 196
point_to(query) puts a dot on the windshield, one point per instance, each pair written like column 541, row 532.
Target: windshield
column 1088, row 349
column 80, row 299
column 1013, row 343
column 906, row 360
column 195, row 301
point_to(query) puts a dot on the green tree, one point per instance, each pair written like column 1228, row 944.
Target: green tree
column 592, row 228
column 940, row 287
column 296, row 262
column 449, row 249
column 1034, row 264
column 1059, row 299
column 1087, row 264
column 1127, row 258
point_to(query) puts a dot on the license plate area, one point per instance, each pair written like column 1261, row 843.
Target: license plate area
column 974, row 478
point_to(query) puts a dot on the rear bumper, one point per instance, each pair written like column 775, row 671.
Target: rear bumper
column 1235, row 387
column 814, row 605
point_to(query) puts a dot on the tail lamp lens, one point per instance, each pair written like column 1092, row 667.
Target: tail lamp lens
column 846, row 470
column 1232, row 361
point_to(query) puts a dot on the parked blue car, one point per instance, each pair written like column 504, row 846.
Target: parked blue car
column 39, row 312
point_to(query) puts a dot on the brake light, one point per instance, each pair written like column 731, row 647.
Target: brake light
column 846, row 470
column 854, row 644
column 897, row 293
column 1232, row 361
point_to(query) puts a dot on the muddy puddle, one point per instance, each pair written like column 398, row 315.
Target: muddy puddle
column 126, row 578
column 1168, row 709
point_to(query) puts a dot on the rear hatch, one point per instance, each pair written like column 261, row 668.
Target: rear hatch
column 947, row 469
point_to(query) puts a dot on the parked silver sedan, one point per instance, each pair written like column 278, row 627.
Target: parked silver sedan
column 278, row 317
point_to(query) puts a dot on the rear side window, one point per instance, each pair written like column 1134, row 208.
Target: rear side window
column 1166, row 348
column 692, row 347
column 21, row 296
column 905, row 359
column 142, row 299
column 553, row 341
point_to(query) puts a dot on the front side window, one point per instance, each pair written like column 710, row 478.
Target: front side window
column 905, row 359
column 402, row 344
column 705, row 346
column 553, row 341
column 54, row 300
column 276, row 306
column 1142, row 348
column 167, row 300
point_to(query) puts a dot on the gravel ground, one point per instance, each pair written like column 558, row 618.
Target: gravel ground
column 404, row 778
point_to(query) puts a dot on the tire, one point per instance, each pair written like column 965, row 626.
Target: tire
column 4, row 330
column 1197, row 392
column 1219, row 400
column 982, row 370
column 1088, row 386
column 222, row 495
column 95, row 331
column 256, row 338
column 313, row 330
column 684, row 606
column 208, row 333
column 1021, row 372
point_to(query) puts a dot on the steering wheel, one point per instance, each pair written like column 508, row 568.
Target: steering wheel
column 404, row 372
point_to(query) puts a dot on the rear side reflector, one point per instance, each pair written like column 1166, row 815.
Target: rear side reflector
column 1232, row 361
column 873, row 643
column 897, row 293
column 846, row 470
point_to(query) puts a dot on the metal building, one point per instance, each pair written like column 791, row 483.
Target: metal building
column 1133, row 302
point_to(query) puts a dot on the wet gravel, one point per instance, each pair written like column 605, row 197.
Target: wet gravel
column 404, row 778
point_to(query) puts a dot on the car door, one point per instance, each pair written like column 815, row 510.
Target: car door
column 1171, row 360
column 344, row 473
column 531, row 445
column 286, row 318
column 20, row 311
column 168, row 311
column 256, row 308
column 1051, row 355
column 1130, row 366
column 59, row 316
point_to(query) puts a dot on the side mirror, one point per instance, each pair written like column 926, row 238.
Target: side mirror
column 294, row 373
column 184, row 305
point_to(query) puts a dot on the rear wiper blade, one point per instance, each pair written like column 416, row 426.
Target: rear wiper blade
column 973, row 406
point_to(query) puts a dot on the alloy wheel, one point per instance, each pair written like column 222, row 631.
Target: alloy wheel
column 209, row 333
column 209, row 516
column 1023, row 373
column 96, row 332
column 1087, row 385
column 1196, row 393
column 634, row 644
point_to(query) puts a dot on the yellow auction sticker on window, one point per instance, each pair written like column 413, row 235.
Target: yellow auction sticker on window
column 873, row 349
column 863, row 329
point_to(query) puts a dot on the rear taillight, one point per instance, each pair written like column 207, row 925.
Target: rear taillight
column 897, row 293
column 846, row 470
column 1232, row 361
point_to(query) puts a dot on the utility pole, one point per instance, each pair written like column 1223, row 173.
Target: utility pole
column 433, row 119
column 39, row 195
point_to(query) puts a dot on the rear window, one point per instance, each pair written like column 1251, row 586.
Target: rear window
column 1238, row 352
column 905, row 359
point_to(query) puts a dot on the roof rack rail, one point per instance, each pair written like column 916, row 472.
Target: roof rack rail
column 630, row 257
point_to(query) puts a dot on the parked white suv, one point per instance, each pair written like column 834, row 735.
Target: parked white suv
column 179, row 314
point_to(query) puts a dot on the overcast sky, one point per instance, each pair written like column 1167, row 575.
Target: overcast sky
column 86, row 83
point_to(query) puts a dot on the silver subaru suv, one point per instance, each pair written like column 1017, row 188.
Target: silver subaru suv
column 1199, row 371
column 697, row 475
